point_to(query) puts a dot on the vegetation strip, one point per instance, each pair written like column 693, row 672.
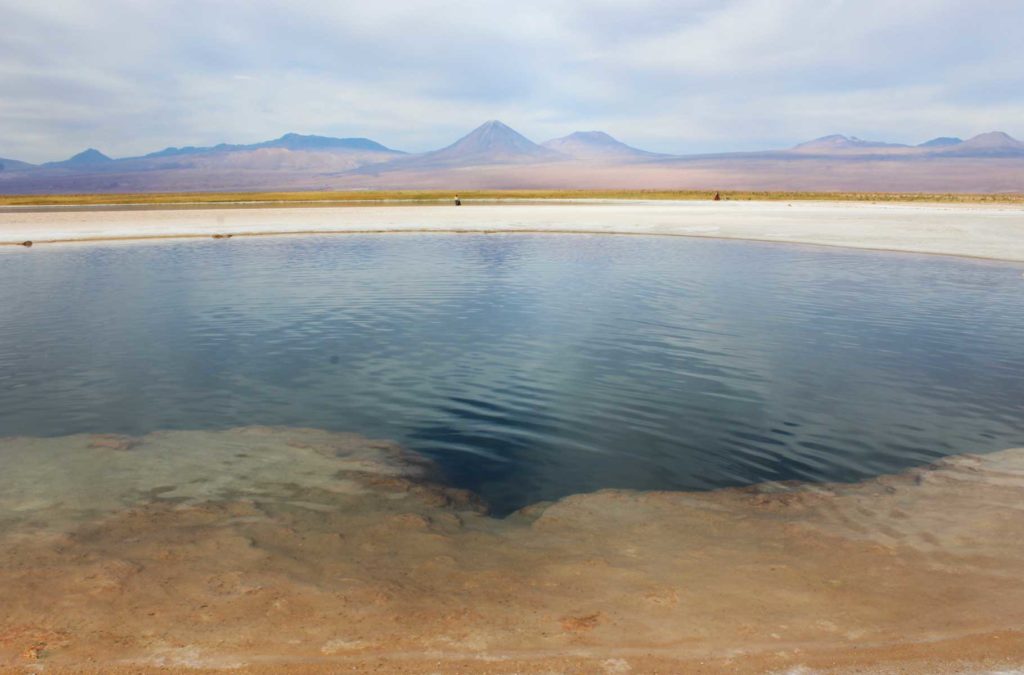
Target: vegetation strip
column 416, row 196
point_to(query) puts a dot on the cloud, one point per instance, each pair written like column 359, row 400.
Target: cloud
column 686, row 75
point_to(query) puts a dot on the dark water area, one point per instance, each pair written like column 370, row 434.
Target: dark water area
column 529, row 366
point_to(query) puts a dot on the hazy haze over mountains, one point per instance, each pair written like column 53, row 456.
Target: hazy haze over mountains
column 595, row 145
column 290, row 141
column 839, row 142
column 496, row 156
column 941, row 142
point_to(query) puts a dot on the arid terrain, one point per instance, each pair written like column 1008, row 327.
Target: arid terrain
column 256, row 547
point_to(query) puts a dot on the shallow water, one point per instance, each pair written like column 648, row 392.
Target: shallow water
column 529, row 366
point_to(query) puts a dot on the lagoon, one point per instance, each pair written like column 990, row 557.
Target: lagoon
column 493, row 453
column 530, row 367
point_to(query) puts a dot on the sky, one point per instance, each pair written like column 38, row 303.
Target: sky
column 682, row 76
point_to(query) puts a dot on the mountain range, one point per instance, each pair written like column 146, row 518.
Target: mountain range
column 993, row 143
column 498, row 157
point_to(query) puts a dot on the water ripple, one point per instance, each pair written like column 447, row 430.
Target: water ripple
column 530, row 366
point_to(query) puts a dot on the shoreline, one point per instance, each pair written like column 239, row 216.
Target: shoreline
column 985, row 231
column 328, row 549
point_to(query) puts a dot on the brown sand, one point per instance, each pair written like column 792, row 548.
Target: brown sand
column 264, row 548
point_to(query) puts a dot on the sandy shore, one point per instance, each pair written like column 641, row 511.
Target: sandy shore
column 995, row 232
column 259, row 548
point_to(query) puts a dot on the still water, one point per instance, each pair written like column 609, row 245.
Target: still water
column 529, row 366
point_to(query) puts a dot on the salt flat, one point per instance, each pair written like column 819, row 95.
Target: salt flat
column 995, row 232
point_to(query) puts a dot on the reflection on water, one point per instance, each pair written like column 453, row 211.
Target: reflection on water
column 529, row 367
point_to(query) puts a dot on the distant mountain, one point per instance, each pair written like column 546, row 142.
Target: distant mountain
column 991, row 144
column 494, row 156
column 302, row 142
column 595, row 145
column 994, row 139
column 941, row 142
column 289, row 141
column 491, row 143
column 14, row 165
column 291, row 160
column 188, row 150
column 838, row 142
column 86, row 160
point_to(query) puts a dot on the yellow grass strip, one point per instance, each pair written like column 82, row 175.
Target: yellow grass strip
column 422, row 196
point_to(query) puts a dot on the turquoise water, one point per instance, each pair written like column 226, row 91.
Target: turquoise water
column 529, row 366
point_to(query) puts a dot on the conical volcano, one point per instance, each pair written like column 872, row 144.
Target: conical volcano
column 87, row 159
column 491, row 143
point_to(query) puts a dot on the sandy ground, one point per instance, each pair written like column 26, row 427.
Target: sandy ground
column 978, row 231
column 257, row 549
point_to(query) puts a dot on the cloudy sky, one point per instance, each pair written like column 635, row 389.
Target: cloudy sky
column 131, row 76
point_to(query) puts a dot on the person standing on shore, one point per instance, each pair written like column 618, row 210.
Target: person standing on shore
column 458, row 202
